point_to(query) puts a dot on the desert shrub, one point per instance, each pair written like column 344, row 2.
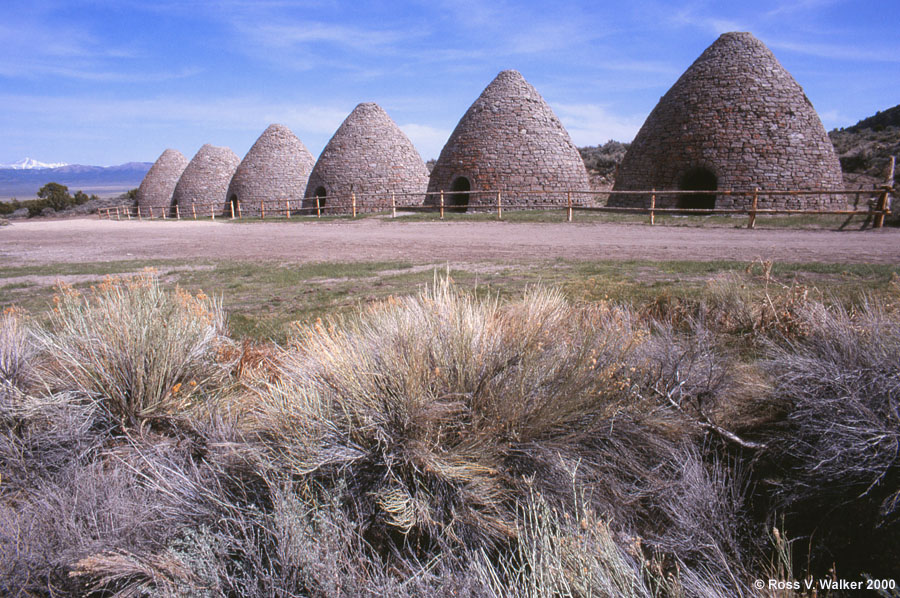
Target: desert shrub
column 839, row 454
column 71, row 489
column 416, row 407
column 88, row 510
column 8, row 207
column 16, row 354
column 604, row 158
column 138, row 350
column 434, row 418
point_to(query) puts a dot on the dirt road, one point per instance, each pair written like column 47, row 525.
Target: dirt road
column 90, row 240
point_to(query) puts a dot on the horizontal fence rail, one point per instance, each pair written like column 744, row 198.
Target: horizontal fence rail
column 875, row 206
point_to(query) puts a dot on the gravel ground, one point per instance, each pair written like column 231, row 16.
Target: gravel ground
column 91, row 240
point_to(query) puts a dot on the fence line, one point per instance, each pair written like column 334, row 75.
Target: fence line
column 460, row 201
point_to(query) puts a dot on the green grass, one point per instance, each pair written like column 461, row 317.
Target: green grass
column 263, row 299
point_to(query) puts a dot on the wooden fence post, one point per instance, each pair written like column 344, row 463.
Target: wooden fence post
column 353, row 201
column 883, row 200
column 212, row 212
column 442, row 204
column 231, row 207
column 262, row 209
column 318, row 208
column 751, row 223
column 117, row 213
column 653, row 207
column 570, row 213
column 194, row 210
column 393, row 205
column 287, row 209
column 164, row 213
column 499, row 207
column 139, row 213
column 240, row 213
column 177, row 212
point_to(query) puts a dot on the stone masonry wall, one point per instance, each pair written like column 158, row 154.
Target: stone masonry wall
column 738, row 113
column 205, row 180
column 371, row 157
column 159, row 183
column 510, row 140
column 274, row 170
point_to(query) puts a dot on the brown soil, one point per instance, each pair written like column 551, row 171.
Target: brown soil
column 92, row 240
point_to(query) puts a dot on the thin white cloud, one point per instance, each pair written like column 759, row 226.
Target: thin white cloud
column 309, row 33
column 838, row 51
column 791, row 8
column 244, row 113
column 592, row 124
column 427, row 139
column 33, row 50
column 273, row 34
column 832, row 119
column 702, row 17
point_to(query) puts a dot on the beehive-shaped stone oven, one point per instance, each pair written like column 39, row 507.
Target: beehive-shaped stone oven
column 155, row 191
column 274, row 170
column 736, row 119
column 370, row 157
column 205, row 180
column 510, row 141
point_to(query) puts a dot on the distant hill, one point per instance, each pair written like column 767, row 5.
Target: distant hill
column 865, row 148
column 104, row 181
column 602, row 162
column 880, row 121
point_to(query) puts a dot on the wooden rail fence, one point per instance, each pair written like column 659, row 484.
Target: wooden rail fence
column 875, row 208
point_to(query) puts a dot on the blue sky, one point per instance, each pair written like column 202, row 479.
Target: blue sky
column 112, row 81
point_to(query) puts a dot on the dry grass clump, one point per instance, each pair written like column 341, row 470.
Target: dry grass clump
column 135, row 348
column 737, row 307
column 16, row 354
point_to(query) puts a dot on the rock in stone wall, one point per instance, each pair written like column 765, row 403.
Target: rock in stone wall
column 159, row 183
column 274, row 170
column 509, row 140
column 370, row 157
column 738, row 115
column 205, row 181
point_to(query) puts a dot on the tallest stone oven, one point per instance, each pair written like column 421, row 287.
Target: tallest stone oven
column 736, row 119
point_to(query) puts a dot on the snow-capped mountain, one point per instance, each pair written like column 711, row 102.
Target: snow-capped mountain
column 32, row 164
column 24, row 182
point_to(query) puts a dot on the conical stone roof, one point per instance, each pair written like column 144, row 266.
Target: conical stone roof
column 274, row 170
column 205, row 180
column 737, row 117
column 368, row 155
column 509, row 140
column 159, row 183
